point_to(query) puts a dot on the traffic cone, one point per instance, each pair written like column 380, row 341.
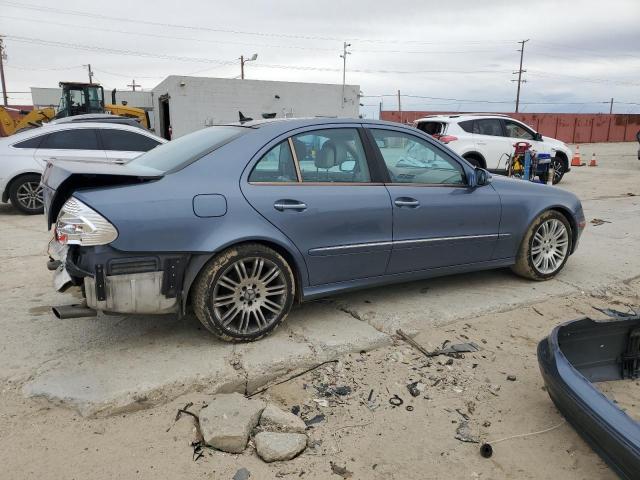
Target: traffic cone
column 593, row 162
column 576, row 161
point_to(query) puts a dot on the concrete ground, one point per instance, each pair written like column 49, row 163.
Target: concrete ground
column 111, row 364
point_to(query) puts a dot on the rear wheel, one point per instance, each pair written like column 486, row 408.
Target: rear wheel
column 26, row 194
column 473, row 160
column 545, row 248
column 244, row 293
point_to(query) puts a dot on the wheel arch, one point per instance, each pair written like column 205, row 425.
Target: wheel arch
column 199, row 261
column 477, row 155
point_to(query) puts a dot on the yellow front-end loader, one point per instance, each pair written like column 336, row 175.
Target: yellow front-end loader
column 77, row 99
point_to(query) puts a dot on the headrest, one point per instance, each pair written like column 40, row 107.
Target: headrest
column 326, row 157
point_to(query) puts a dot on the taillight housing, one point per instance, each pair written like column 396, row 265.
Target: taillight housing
column 447, row 138
column 79, row 224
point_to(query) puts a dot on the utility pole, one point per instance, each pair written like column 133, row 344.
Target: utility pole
column 243, row 61
column 611, row 107
column 520, row 72
column 3, row 57
column 345, row 45
column 133, row 85
column 89, row 71
column 399, row 106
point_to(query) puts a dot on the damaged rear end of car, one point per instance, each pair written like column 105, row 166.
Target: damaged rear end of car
column 80, row 253
column 582, row 352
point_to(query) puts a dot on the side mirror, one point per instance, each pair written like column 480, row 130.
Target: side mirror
column 482, row 177
column 537, row 137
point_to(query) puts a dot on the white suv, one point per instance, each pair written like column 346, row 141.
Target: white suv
column 488, row 141
column 24, row 155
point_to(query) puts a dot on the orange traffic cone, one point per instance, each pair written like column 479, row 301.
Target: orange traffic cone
column 593, row 162
column 576, row 161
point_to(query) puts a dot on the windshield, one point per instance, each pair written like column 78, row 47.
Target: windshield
column 179, row 153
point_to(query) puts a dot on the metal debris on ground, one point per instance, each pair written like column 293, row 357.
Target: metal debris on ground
column 317, row 419
column 242, row 474
column 396, row 401
column 463, row 433
column 511, row 378
column 414, row 389
column 342, row 471
column 453, row 350
column 295, row 409
column 599, row 221
column 292, row 377
column 409, row 408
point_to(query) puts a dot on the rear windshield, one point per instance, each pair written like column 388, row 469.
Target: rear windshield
column 432, row 128
column 179, row 153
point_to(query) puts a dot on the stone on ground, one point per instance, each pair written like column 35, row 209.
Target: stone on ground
column 274, row 446
column 274, row 419
column 228, row 420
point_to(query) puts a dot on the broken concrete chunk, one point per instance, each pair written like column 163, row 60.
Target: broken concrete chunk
column 186, row 430
column 228, row 420
column 274, row 446
column 275, row 420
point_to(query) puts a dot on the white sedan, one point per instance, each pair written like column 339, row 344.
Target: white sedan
column 24, row 155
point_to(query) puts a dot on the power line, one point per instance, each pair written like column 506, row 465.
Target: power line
column 113, row 51
column 46, row 9
column 463, row 100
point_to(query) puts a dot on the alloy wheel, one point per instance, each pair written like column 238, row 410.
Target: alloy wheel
column 29, row 194
column 549, row 246
column 250, row 295
column 558, row 170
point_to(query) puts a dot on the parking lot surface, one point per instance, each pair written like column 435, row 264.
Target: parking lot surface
column 114, row 364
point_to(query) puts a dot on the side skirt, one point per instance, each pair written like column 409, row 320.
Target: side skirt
column 317, row 291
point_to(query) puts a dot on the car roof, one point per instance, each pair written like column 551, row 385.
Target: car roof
column 460, row 117
column 49, row 127
column 292, row 123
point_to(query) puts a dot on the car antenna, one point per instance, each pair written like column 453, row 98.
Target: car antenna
column 243, row 119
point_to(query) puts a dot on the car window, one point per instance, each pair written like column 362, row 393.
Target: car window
column 179, row 153
column 33, row 142
column 332, row 155
column 515, row 130
column 78, row 139
column 467, row 126
column 275, row 166
column 113, row 139
column 411, row 159
column 488, row 126
column 432, row 128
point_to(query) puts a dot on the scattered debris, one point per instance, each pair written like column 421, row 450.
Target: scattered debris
column 486, row 450
column 317, row 419
column 242, row 474
column 295, row 409
column 342, row 391
column 228, row 420
column 599, row 221
column 321, row 402
column 538, row 311
column 463, row 433
column 452, row 350
column 415, row 389
column 275, row 420
column 276, row 446
column 396, row 401
column 342, row 471
column 511, row 378
column 288, row 379
column 409, row 408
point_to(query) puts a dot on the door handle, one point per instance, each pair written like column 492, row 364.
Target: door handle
column 282, row 205
column 481, row 143
column 406, row 202
column 119, row 161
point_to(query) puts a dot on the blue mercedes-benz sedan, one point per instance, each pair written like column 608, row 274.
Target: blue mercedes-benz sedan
column 238, row 222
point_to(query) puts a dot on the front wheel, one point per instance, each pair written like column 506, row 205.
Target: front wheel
column 26, row 194
column 560, row 166
column 545, row 248
column 244, row 293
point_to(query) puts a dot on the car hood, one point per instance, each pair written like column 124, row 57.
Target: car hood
column 515, row 186
column 556, row 144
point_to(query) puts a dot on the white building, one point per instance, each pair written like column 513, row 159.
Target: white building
column 191, row 103
column 187, row 104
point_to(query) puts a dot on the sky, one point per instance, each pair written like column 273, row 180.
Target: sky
column 458, row 55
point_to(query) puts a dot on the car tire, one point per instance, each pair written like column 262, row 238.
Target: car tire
column 545, row 248
column 26, row 194
column 560, row 166
column 244, row 293
column 473, row 161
